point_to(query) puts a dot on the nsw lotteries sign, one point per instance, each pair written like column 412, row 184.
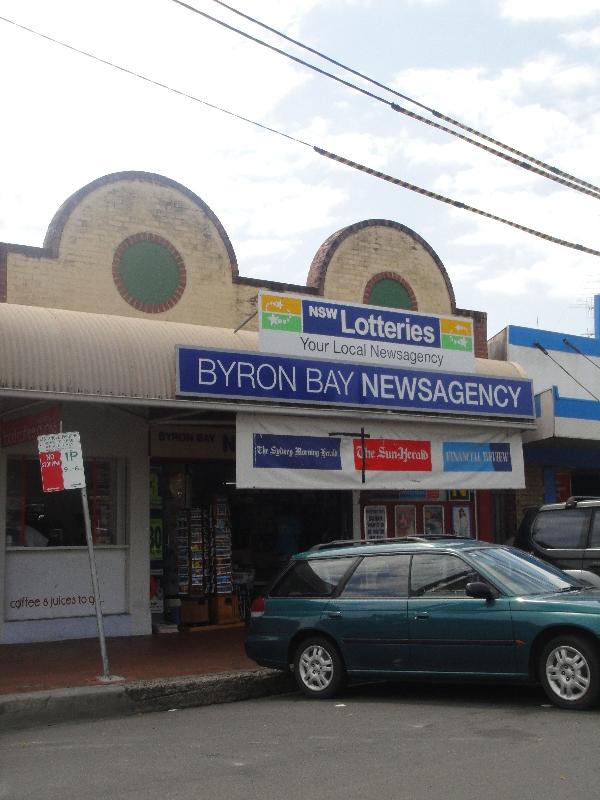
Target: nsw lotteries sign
column 313, row 327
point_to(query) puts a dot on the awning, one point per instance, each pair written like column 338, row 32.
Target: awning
column 70, row 355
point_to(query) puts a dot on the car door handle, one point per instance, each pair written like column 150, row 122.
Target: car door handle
column 334, row 614
column 422, row 615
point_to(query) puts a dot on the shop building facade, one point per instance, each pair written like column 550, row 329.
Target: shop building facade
column 562, row 456
column 136, row 280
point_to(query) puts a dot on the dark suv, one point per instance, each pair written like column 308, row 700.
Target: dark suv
column 566, row 535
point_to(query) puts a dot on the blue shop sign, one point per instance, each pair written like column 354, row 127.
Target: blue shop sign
column 281, row 379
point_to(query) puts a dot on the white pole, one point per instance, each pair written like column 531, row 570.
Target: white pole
column 99, row 620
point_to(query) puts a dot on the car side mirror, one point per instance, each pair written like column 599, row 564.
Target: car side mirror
column 479, row 590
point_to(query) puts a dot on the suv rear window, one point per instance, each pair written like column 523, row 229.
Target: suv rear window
column 561, row 530
column 317, row 577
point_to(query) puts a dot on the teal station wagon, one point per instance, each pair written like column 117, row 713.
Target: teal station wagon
column 429, row 607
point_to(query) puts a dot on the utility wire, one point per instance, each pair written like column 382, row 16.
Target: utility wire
column 456, row 203
column 572, row 183
column 318, row 150
column 433, row 111
column 580, row 352
column 558, row 364
column 152, row 81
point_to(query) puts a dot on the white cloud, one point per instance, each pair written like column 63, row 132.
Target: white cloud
column 584, row 38
column 260, row 248
column 526, row 10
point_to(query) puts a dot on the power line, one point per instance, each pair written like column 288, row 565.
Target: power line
column 581, row 353
column 558, row 364
column 570, row 182
column 318, row 150
column 456, row 203
column 153, row 82
column 431, row 110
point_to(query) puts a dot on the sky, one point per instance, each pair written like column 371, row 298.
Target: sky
column 526, row 72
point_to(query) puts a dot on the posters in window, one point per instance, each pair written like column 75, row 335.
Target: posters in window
column 433, row 520
column 375, row 522
column 406, row 520
column 461, row 521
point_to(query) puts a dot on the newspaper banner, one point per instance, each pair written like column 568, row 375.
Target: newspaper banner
column 306, row 453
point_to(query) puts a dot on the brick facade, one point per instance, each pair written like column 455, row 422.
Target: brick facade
column 533, row 494
column 74, row 268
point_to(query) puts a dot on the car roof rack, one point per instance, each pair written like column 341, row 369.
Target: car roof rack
column 426, row 537
column 571, row 502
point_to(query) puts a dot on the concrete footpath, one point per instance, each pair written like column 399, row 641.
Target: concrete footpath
column 47, row 683
column 26, row 709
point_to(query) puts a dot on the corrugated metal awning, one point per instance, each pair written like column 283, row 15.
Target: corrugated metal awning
column 73, row 354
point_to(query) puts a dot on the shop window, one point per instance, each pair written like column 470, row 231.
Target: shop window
column 389, row 292
column 55, row 519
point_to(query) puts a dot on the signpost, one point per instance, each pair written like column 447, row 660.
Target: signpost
column 61, row 465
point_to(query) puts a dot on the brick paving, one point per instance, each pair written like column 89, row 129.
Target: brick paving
column 77, row 662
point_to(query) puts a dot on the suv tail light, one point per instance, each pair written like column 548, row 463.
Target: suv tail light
column 257, row 609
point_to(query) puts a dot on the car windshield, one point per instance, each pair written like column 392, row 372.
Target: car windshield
column 521, row 573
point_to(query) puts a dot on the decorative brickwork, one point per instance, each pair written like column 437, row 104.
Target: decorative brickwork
column 56, row 227
column 533, row 494
column 79, row 263
column 479, row 330
column 170, row 295
column 318, row 269
column 392, row 276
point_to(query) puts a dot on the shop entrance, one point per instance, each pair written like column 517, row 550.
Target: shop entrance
column 214, row 547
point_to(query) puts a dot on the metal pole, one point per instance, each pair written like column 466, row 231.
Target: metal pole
column 99, row 620
column 364, row 455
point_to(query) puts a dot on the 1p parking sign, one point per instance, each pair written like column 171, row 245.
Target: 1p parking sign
column 61, row 462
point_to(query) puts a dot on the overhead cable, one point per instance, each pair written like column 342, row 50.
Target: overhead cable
column 558, row 364
column 318, row 150
column 456, row 203
column 572, row 183
column 580, row 352
column 431, row 110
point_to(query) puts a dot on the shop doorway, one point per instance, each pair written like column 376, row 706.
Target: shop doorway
column 585, row 483
column 215, row 547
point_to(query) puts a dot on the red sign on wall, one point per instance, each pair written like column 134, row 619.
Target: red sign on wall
column 563, row 486
column 388, row 455
column 52, row 473
column 27, row 429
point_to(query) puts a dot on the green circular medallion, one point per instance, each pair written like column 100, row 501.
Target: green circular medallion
column 149, row 273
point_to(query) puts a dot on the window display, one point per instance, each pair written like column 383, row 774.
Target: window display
column 55, row 519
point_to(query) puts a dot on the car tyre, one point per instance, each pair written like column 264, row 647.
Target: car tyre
column 570, row 672
column 318, row 668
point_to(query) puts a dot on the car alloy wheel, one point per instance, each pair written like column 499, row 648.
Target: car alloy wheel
column 569, row 672
column 318, row 668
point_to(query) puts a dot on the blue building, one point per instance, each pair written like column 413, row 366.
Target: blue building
column 562, row 455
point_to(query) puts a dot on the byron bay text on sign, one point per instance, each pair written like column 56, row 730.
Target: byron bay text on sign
column 305, row 326
column 264, row 377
